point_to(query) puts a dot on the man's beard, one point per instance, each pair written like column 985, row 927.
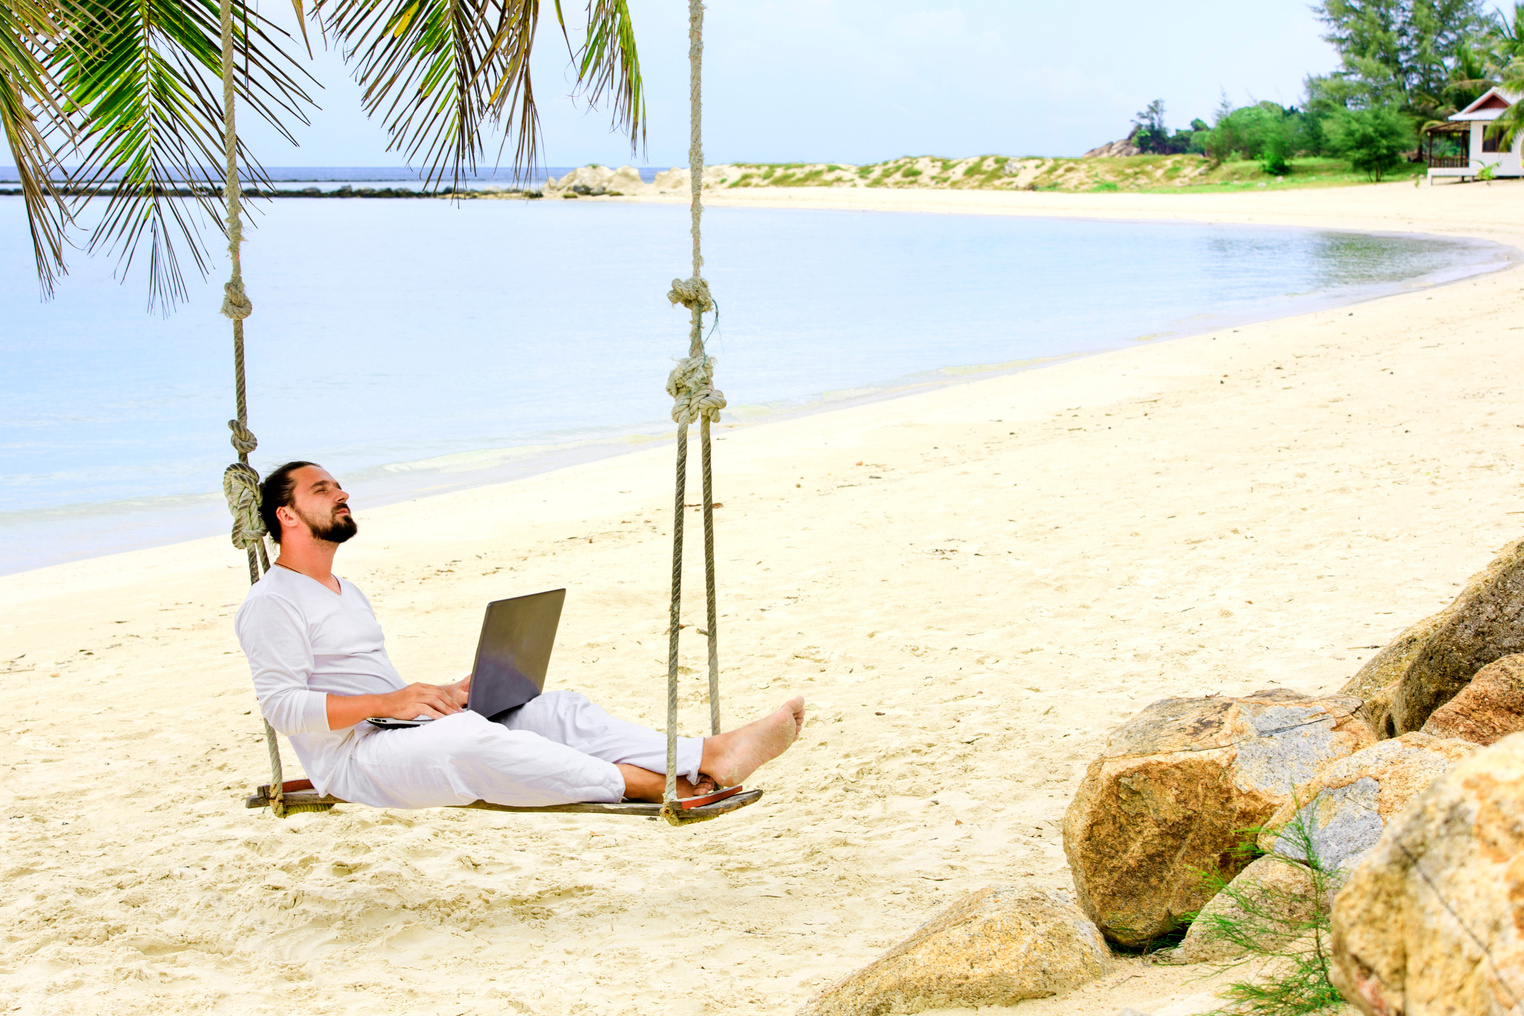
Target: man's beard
column 336, row 529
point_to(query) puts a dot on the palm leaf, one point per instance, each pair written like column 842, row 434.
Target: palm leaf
column 145, row 76
column 1506, row 127
column 427, row 67
column 437, row 71
column 609, row 64
column 32, row 110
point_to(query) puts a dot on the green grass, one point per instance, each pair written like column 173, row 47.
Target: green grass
column 1140, row 174
column 1312, row 172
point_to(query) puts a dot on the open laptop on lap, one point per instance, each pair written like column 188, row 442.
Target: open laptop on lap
column 512, row 655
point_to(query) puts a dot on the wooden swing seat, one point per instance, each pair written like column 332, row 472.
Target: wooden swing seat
column 695, row 809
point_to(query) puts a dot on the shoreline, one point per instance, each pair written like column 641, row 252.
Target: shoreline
column 140, row 524
column 971, row 585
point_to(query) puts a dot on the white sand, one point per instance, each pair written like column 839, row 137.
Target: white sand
column 1018, row 565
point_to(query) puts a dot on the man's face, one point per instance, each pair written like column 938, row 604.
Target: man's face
column 322, row 505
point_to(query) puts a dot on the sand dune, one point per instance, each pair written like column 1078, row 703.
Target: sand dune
column 970, row 585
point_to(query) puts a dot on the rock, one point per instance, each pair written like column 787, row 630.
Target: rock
column 1489, row 707
column 1113, row 149
column 676, row 180
column 1273, row 899
column 1376, row 682
column 1434, row 659
column 994, row 947
column 596, row 181
column 1345, row 807
column 1432, row 921
column 1175, row 790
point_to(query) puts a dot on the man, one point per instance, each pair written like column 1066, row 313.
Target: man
column 320, row 669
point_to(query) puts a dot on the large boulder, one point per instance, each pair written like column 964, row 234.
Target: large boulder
column 1488, row 708
column 1342, row 811
column 1432, row 921
column 596, row 181
column 1433, row 660
column 994, row 947
column 1272, row 903
column 1377, row 682
column 679, row 180
column 1175, row 791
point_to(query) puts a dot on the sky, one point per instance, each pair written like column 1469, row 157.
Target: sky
column 855, row 81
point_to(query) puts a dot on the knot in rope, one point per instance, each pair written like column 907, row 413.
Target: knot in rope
column 691, row 293
column 691, row 385
column 235, row 302
column 243, row 439
column 240, row 485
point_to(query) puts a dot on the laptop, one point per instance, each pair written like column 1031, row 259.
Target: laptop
column 512, row 656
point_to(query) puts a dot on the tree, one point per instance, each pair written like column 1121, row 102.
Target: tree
column 1400, row 52
column 133, row 88
column 1373, row 140
column 1507, row 127
column 1149, row 132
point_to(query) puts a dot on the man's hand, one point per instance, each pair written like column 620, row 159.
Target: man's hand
column 418, row 699
column 460, row 691
column 408, row 703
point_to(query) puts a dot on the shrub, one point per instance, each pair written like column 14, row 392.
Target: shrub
column 1294, row 978
column 1373, row 140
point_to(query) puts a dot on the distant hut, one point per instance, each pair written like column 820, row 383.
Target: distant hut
column 1467, row 131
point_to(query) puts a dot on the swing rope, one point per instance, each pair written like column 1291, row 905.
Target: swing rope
column 240, row 481
column 695, row 399
column 691, row 385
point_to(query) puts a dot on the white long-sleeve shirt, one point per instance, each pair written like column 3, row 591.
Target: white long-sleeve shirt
column 304, row 642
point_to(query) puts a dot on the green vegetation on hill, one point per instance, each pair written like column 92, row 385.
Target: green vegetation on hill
column 1403, row 66
column 1158, row 173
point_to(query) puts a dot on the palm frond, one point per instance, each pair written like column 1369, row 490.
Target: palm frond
column 427, row 68
column 145, row 78
column 32, row 111
column 610, row 65
column 436, row 71
column 1506, row 128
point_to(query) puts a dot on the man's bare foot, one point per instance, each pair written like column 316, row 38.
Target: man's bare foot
column 644, row 785
column 733, row 756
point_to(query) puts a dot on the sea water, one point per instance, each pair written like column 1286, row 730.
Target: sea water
column 419, row 345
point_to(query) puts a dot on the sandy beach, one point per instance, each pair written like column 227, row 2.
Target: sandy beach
column 970, row 585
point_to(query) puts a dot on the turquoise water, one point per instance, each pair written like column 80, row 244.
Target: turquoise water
column 414, row 345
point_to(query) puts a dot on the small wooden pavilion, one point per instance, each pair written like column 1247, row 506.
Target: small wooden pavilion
column 1467, row 131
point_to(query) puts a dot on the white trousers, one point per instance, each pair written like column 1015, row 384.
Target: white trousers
column 557, row 748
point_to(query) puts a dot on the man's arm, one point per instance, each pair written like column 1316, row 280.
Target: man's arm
column 408, row 703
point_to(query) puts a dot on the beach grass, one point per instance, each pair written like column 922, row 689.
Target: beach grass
column 1137, row 173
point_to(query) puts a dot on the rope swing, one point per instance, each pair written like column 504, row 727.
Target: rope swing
column 695, row 399
column 691, row 385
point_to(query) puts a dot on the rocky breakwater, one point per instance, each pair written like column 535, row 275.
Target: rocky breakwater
column 1332, row 822
column 1176, row 788
column 1432, row 921
column 1487, row 709
column 601, row 181
column 1431, row 662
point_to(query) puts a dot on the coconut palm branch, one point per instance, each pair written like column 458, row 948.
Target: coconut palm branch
column 1507, row 34
column 141, row 81
column 427, row 68
column 438, row 72
column 146, row 79
column 610, row 64
column 32, row 110
column 1506, row 128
